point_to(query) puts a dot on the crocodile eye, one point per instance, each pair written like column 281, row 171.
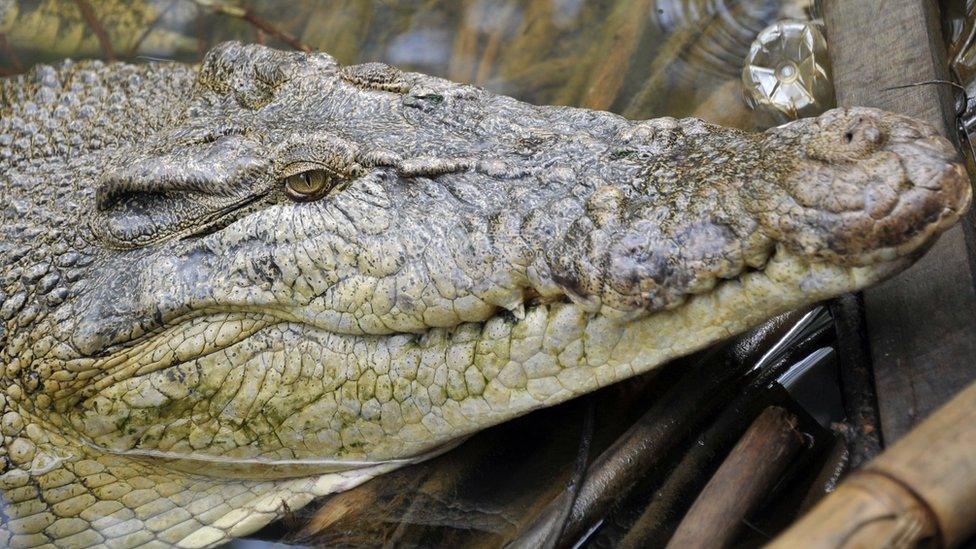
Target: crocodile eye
column 309, row 185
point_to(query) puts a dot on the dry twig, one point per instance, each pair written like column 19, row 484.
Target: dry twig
column 11, row 54
column 248, row 15
column 89, row 14
column 151, row 27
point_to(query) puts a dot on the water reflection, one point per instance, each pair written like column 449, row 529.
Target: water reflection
column 640, row 58
column 420, row 48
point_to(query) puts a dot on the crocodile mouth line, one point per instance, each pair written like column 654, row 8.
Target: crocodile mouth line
column 264, row 468
column 733, row 306
column 150, row 353
column 138, row 357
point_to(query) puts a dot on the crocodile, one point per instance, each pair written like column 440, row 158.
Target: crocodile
column 230, row 288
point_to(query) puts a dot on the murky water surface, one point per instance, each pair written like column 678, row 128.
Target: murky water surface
column 640, row 58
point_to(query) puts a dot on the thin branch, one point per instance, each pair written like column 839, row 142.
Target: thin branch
column 247, row 14
column 571, row 492
column 151, row 27
column 89, row 14
column 273, row 30
column 740, row 484
column 11, row 54
column 926, row 82
column 201, row 33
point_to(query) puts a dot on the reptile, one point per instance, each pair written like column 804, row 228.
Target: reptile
column 230, row 288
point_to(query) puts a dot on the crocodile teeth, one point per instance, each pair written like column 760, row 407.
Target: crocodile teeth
column 590, row 304
column 517, row 309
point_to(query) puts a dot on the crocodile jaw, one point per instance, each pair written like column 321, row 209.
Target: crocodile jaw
column 236, row 507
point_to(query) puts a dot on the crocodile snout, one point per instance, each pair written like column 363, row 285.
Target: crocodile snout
column 868, row 186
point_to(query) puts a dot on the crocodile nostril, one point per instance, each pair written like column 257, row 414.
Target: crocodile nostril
column 864, row 132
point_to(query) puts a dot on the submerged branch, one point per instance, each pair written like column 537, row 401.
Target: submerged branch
column 248, row 15
column 96, row 26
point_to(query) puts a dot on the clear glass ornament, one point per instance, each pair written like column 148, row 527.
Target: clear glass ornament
column 787, row 71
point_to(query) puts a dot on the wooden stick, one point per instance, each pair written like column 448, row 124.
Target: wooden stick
column 11, row 54
column 685, row 406
column 835, row 466
column 741, row 482
column 134, row 48
column 856, row 380
column 711, row 381
column 248, row 15
column 675, row 496
column 89, row 15
column 706, row 386
column 921, row 488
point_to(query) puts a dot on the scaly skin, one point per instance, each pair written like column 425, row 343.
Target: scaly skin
column 191, row 344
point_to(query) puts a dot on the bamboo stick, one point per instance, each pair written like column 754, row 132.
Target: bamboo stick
column 922, row 488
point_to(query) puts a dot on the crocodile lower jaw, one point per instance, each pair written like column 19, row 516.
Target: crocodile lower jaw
column 282, row 399
column 258, row 488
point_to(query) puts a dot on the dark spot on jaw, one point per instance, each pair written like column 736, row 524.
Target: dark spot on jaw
column 507, row 316
column 569, row 284
column 267, row 270
column 31, row 381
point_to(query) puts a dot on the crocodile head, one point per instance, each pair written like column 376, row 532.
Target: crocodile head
column 229, row 289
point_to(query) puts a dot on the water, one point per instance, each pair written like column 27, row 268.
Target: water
column 640, row 58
